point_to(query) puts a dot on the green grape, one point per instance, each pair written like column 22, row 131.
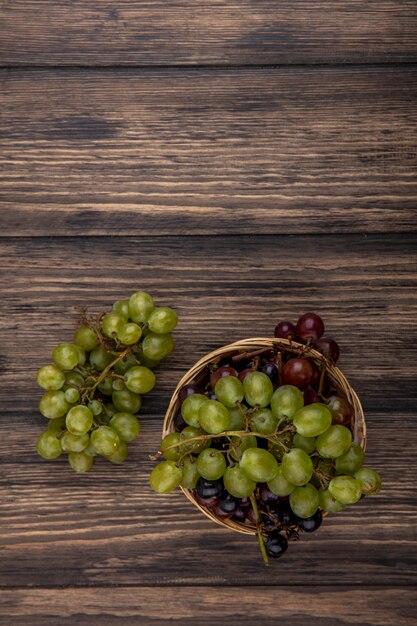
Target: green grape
column 211, row 464
column 334, row 442
column 120, row 455
column 286, row 401
column 345, row 489
column 72, row 395
column 90, row 450
column 66, row 356
column 165, row 477
column 190, row 473
column 229, row 391
column 129, row 333
column 48, row 446
column 126, row 401
column 73, row 379
column 191, row 407
column 258, row 465
column 236, row 417
column 213, row 417
column 280, row 485
column 80, row 462
column 106, row 386
column 328, row 503
column 162, row 320
column 304, row 501
column 110, row 409
column 74, row 443
column 258, row 389
column 240, row 444
column 111, row 324
column 53, row 404
column 151, row 363
column 237, row 484
column 50, row 377
column 99, row 358
column 308, row 444
column 57, row 425
column 95, row 407
column 263, row 421
column 369, row 479
column 82, row 357
column 121, row 307
column 157, row 347
column 189, row 432
column 118, row 384
column 124, row 364
column 312, row 420
column 79, row 420
column 105, row 440
column 126, row 426
column 140, row 306
column 86, row 338
column 351, row 461
column 297, row 467
column 175, row 453
column 140, row 379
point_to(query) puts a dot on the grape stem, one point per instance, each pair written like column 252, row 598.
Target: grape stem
column 226, row 433
column 106, row 370
column 258, row 530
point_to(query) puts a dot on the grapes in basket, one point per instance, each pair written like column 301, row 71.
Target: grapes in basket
column 94, row 387
column 263, row 438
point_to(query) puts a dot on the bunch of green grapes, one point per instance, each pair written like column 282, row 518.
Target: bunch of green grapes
column 94, row 386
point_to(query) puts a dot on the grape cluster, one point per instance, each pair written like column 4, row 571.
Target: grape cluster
column 94, row 385
column 265, row 438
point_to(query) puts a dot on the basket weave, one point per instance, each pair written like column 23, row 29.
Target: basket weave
column 333, row 373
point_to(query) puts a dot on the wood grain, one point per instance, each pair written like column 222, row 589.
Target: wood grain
column 318, row 606
column 158, row 152
column 134, row 32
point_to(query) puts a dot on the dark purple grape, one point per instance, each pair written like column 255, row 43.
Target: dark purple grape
column 298, row 372
column 285, row 330
column 208, row 488
column 188, row 390
column 310, row 396
column 268, row 522
column 310, row 524
column 276, row 544
column 218, row 512
column 207, row 502
column 271, row 370
column 266, row 496
column 340, row 409
column 240, row 514
column 328, row 347
column 221, row 372
column 282, row 512
column 228, row 503
column 179, row 422
column 309, row 327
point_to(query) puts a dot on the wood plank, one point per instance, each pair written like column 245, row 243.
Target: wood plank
column 288, row 150
column 192, row 32
column 156, row 606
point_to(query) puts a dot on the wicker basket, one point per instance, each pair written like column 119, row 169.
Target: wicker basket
column 333, row 373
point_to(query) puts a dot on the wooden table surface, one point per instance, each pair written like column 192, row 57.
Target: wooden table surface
column 245, row 162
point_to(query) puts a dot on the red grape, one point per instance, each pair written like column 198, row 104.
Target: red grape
column 310, row 396
column 309, row 327
column 340, row 409
column 245, row 372
column 298, row 372
column 285, row 330
column 186, row 391
column 221, row 372
column 328, row 347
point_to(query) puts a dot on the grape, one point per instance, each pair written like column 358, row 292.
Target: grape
column 328, row 347
column 50, row 377
column 129, row 334
column 190, row 473
column 106, row 386
column 213, row 417
column 121, row 307
column 80, row 462
column 53, row 404
column 240, row 444
column 126, row 426
column 297, row 467
column 175, row 453
column 308, row 444
column 105, row 440
column 74, row 443
column 57, row 425
column 118, row 384
column 245, row 372
column 221, row 372
column 263, row 421
column 284, row 330
column 140, row 379
column 99, row 358
column 279, row 485
column 72, row 395
column 236, row 417
column 310, row 524
column 328, row 503
column 340, row 409
column 258, row 389
column 86, row 338
column 345, row 489
column 310, row 396
column 271, row 370
column 90, row 450
column 298, row 372
column 140, row 306
column 124, row 364
column 191, row 406
column 237, row 484
column 286, row 401
column 227, row 503
column 211, row 464
column 82, row 357
column 48, row 446
column 276, row 544
column 157, row 347
column 209, row 488
column 111, row 324
column 126, row 401
column 194, row 446
column 351, row 461
column 188, row 390
column 65, row 356
column 79, row 420
column 73, row 379
column 120, row 455
column 304, row 501
column 165, row 477
column 258, row 465
column 309, row 327
column 369, row 480
column 312, row 420
column 266, row 496
column 162, row 320
column 334, row 442
column 95, row 407
column 229, row 391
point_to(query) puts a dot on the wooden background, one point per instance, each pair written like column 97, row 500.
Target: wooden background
column 245, row 162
